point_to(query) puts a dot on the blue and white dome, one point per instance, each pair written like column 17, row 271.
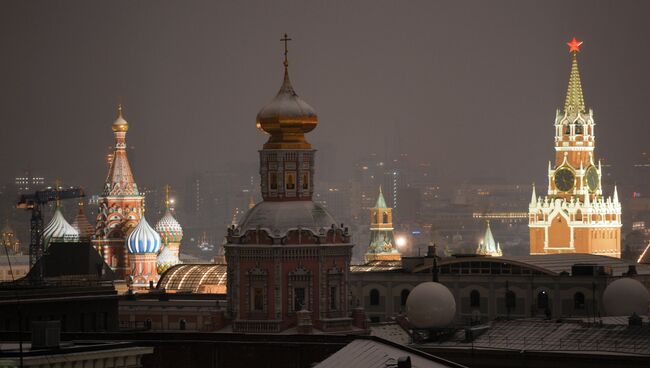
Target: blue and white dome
column 143, row 239
column 58, row 229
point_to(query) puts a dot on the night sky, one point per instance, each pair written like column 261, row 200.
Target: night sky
column 471, row 86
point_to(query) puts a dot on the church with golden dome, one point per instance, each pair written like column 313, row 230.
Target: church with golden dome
column 575, row 216
column 288, row 259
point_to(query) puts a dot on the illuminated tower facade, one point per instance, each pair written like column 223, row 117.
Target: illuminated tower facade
column 488, row 246
column 121, row 204
column 575, row 216
column 288, row 257
column 382, row 243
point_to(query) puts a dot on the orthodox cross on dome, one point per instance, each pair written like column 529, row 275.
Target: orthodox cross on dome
column 286, row 40
column 167, row 189
column 574, row 45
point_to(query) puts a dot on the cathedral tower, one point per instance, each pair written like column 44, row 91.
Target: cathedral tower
column 120, row 206
column 575, row 216
column 288, row 256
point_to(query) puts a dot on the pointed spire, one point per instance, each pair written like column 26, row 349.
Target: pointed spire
column 575, row 102
column 615, row 194
column 587, row 199
column 381, row 202
column 533, row 197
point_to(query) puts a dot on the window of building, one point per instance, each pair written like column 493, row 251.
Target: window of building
column 403, row 296
column 474, row 299
column 511, row 299
column 305, row 181
column 258, row 299
column 385, row 217
column 333, row 298
column 579, row 300
column 542, row 299
column 273, row 181
column 298, row 298
column 374, row 297
column 290, row 182
column 182, row 324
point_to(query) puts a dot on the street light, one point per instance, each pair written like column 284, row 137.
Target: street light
column 400, row 241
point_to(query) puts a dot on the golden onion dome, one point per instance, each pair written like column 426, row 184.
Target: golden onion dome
column 287, row 118
column 120, row 124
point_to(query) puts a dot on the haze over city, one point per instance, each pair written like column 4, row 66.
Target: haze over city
column 470, row 86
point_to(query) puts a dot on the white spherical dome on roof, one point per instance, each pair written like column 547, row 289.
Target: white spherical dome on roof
column 143, row 239
column 626, row 296
column 430, row 305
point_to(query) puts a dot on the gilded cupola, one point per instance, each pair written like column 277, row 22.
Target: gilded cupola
column 287, row 117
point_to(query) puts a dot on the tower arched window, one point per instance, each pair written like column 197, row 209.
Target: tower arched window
column 579, row 129
column 579, row 300
column 542, row 299
column 385, row 218
column 474, row 299
column 403, row 296
column 374, row 297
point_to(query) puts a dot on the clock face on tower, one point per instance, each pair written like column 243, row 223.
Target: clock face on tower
column 591, row 178
column 564, row 179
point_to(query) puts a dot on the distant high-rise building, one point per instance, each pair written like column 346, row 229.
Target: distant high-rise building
column 574, row 216
column 28, row 183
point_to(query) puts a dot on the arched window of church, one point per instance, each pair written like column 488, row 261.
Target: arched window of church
column 542, row 299
column 403, row 296
column 374, row 297
column 376, row 216
column 305, row 181
column 474, row 299
column 385, row 217
column 273, row 181
column 290, row 181
column 579, row 129
column 579, row 300
column 567, row 129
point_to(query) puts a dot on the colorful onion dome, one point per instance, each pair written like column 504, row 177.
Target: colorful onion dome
column 120, row 124
column 81, row 224
column 143, row 239
column 169, row 229
column 166, row 259
column 58, row 229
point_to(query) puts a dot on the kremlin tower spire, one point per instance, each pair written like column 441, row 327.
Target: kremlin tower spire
column 382, row 244
column 575, row 102
column 575, row 216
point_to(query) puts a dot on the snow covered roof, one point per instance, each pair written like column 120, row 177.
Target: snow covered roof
column 280, row 217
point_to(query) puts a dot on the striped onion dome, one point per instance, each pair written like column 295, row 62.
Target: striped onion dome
column 165, row 260
column 81, row 224
column 169, row 229
column 58, row 229
column 143, row 239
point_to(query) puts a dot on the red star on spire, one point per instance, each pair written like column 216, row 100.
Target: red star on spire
column 574, row 45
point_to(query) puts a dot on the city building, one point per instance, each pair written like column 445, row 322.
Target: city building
column 575, row 216
column 486, row 288
column 487, row 246
column 120, row 206
column 8, row 239
column 28, row 183
column 288, row 257
column 382, row 243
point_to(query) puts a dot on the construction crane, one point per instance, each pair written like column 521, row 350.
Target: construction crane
column 34, row 202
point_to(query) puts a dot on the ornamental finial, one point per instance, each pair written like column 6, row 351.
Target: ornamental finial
column 574, row 45
column 286, row 39
column 167, row 188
